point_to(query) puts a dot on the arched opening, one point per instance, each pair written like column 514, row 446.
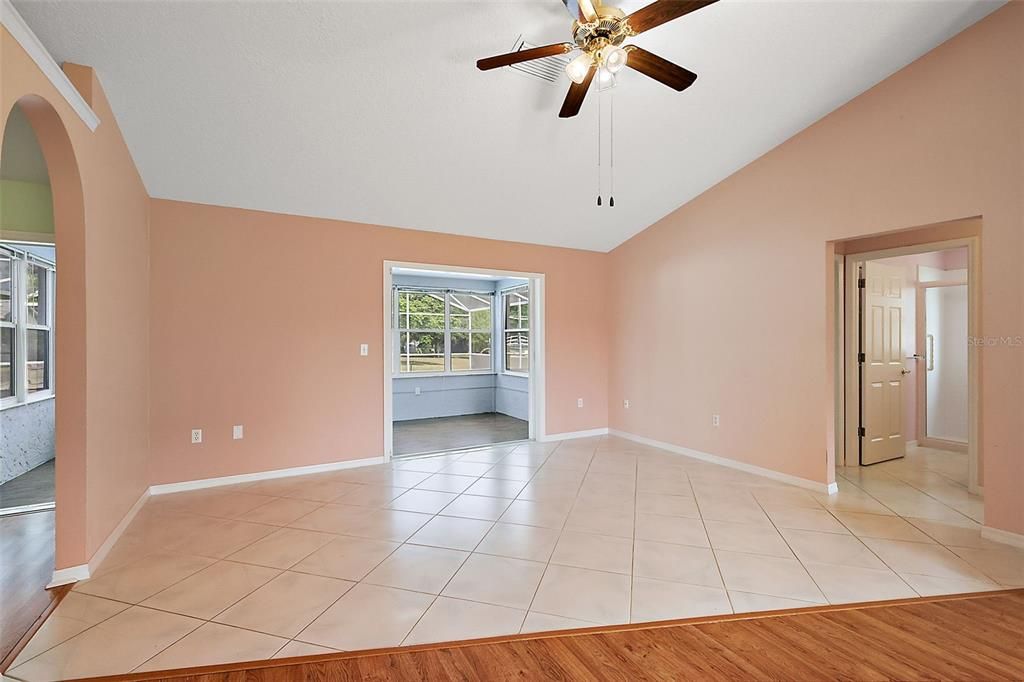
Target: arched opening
column 60, row 368
column 27, row 297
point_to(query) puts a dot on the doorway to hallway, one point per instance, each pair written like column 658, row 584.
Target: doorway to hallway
column 909, row 371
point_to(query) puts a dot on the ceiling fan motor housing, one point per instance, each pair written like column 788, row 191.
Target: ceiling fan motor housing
column 611, row 28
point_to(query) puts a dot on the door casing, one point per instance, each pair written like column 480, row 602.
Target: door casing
column 847, row 410
column 536, row 381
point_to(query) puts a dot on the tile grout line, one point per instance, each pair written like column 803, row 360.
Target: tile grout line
column 588, row 470
column 452, row 577
column 561, row 529
column 714, row 554
column 873, row 552
column 632, row 558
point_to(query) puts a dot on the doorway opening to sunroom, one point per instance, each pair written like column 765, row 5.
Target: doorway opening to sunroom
column 459, row 355
column 27, row 304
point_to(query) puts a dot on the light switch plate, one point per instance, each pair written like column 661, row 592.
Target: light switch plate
column 364, row 349
column 237, row 432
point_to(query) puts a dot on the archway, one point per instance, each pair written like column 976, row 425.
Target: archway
column 70, row 320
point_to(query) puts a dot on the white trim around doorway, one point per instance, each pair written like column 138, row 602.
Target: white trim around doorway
column 536, row 379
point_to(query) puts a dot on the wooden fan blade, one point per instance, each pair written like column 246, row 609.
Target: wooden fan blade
column 524, row 56
column 582, row 10
column 661, row 70
column 577, row 92
column 661, row 11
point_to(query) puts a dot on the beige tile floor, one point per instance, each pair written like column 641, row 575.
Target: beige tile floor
column 504, row 540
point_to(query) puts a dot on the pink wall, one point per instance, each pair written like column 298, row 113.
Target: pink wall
column 257, row 320
column 729, row 296
column 101, row 212
column 117, row 262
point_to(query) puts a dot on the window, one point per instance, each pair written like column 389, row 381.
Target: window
column 7, row 328
column 37, row 328
column 421, row 324
column 26, row 326
column 471, row 324
column 517, row 329
column 441, row 331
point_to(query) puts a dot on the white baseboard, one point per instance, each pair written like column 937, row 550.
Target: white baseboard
column 71, row 574
column 1003, row 536
column 100, row 554
column 63, row 576
column 827, row 488
column 569, row 435
column 183, row 486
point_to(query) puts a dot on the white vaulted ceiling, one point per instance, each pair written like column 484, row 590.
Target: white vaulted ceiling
column 374, row 111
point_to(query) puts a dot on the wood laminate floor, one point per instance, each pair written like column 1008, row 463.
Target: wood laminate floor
column 26, row 565
column 450, row 433
column 32, row 487
column 976, row 637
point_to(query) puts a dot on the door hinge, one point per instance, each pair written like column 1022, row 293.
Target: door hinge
column 861, row 432
column 860, row 358
column 861, row 283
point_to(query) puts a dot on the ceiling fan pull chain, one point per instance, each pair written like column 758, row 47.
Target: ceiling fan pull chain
column 599, row 147
column 611, row 132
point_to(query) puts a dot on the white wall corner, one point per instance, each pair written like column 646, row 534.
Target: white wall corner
column 166, row 488
column 569, row 435
column 1003, row 536
column 20, row 31
column 816, row 486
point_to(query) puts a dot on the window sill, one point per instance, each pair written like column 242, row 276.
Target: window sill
column 427, row 375
column 521, row 375
column 11, row 404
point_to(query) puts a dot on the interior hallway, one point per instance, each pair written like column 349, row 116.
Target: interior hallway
column 498, row 541
column 415, row 436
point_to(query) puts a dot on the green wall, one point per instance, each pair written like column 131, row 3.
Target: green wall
column 25, row 207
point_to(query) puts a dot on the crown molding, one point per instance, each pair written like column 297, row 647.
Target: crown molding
column 19, row 30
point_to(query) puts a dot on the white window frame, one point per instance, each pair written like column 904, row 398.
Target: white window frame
column 504, row 330
column 397, row 330
column 20, row 261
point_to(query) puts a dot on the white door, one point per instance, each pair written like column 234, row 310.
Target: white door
column 882, row 371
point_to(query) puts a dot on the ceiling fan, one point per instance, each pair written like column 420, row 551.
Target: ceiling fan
column 598, row 33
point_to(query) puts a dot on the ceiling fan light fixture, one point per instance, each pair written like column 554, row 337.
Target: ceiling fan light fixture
column 605, row 78
column 613, row 58
column 579, row 67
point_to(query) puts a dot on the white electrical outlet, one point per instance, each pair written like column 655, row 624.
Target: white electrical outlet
column 579, row 402
column 417, row 390
column 716, row 420
column 625, row 403
column 364, row 349
column 237, row 432
column 197, row 436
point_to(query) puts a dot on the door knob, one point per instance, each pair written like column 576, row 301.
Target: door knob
column 904, row 371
